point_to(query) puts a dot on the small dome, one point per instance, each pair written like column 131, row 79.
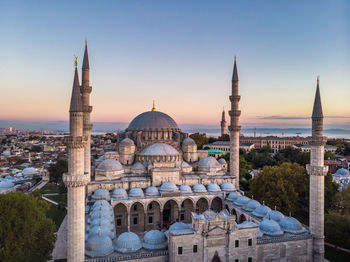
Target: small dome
column 233, row 196
column 127, row 142
column 208, row 162
column 136, row 192
column 292, row 225
column 251, row 205
column 177, row 226
column 261, row 211
column 119, row 193
column 159, row 149
column 188, row 142
column 270, row 227
column 151, row 191
column 342, row 172
column 154, row 239
column 275, row 215
column 99, row 245
column 222, row 161
column 138, row 167
column 241, row 201
column 127, row 242
column 199, row 188
column 168, row 187
column 29, row 171
column 185, row 190
column 101, row 194
column 228, row 187
column 102, row 230
column 110, row 165
column 213, row 187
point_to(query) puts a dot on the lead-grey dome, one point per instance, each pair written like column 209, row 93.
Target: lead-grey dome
column 99, row 245
column 152, row 120
column 127, row 242
column 154, row 239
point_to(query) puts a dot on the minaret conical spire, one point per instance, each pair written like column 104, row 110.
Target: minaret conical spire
column 235, row 73
column 317, row 110
column 86, row 58
column 76, row 104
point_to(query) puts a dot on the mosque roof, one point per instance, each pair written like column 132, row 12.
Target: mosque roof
column 275, row 215
column 151, row 191
column 138, row 166
column 100, row 194
column 292, row 225
column 154, row 239
column 342, row 172
column 76, row 104
column 168, row 187
column 261, row 211
column 188, row 142
column 159, row 149
column 136, row 192
column 185, row 189
column 119, row 193
column 270, row 227
column 177, row 226
column 153, row 120
column 99, row 245
column 29, row 171
column 251, row 205
column 126, row 142
column 208, row 162
column 228, row 187
column 127, row 242
column 241, row 201
column 103, row 230
column 213, row 187
column 6, row 184
column 199, row 188
column 233, row 196
column 109, row 165
column 222, row 161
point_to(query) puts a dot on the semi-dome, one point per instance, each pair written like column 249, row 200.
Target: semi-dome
column 127, row 142
column 241, row 201
column 136, row 192
column 275, row 215
column 199, row 188
column 151, row 191
column 261, row 211
column 270, row 227
column 138, row 167
column 185, row 189
column 159, row 149
column 251, row 205
column 127, row 242
column 101, row 194
column 154, row 239
column 342, row 172
column 153, row 120
column 168, row 187
column 110, row 165
column 103, row 221
column 188, row 142
column 119, row 193
column 292, row 225
column 213, row 187
column 102, row 230
column 233, row 196
column 228, row 187
column 99, row 245
column 222, row 161
column 208, row 162
column 99, row 203
column 29, row 171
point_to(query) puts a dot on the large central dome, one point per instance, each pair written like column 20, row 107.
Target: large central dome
column 153, row 120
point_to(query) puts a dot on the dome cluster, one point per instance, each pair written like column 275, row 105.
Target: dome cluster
column 271, row 227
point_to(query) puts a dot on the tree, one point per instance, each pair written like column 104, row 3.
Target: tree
column 284, row 186
column 337, row 229
column 329, row 155
column 200, row 139
column 224, row 137
column 56, row 171
column 26, row 234
column 330, row 191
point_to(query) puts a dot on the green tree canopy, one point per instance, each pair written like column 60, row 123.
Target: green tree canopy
column 284, row 186
column 25, row 232
column 200, row 139
column 56, row 171
column 337, row 229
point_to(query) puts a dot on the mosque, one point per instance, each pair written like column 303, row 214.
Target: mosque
column 158, row 198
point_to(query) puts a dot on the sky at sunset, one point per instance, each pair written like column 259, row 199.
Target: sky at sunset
column 179, row 53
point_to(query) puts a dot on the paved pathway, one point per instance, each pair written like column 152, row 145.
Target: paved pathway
column 40, row 185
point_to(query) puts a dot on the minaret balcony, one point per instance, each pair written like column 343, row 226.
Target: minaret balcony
column 317, row 170
column 86, row 89
column 235, row 98
column 234, row 128
column 234, row 113
column 75, row 180
column 75, row 142
column 318, row 141
column 88, row 127
column 87, row 109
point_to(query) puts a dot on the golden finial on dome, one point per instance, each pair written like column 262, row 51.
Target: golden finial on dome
column 154, row 106
column 75, row 61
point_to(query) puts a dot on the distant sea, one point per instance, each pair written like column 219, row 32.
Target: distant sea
column 210, row 130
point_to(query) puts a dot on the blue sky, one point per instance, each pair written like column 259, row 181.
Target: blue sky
column 179, row 53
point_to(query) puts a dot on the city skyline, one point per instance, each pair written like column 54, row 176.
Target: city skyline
column 179, row 55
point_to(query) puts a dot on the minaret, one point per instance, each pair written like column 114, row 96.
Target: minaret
column 317, row 171
column 75, row 179
column 234, row 127
column 223, row 123
column 85, row 90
